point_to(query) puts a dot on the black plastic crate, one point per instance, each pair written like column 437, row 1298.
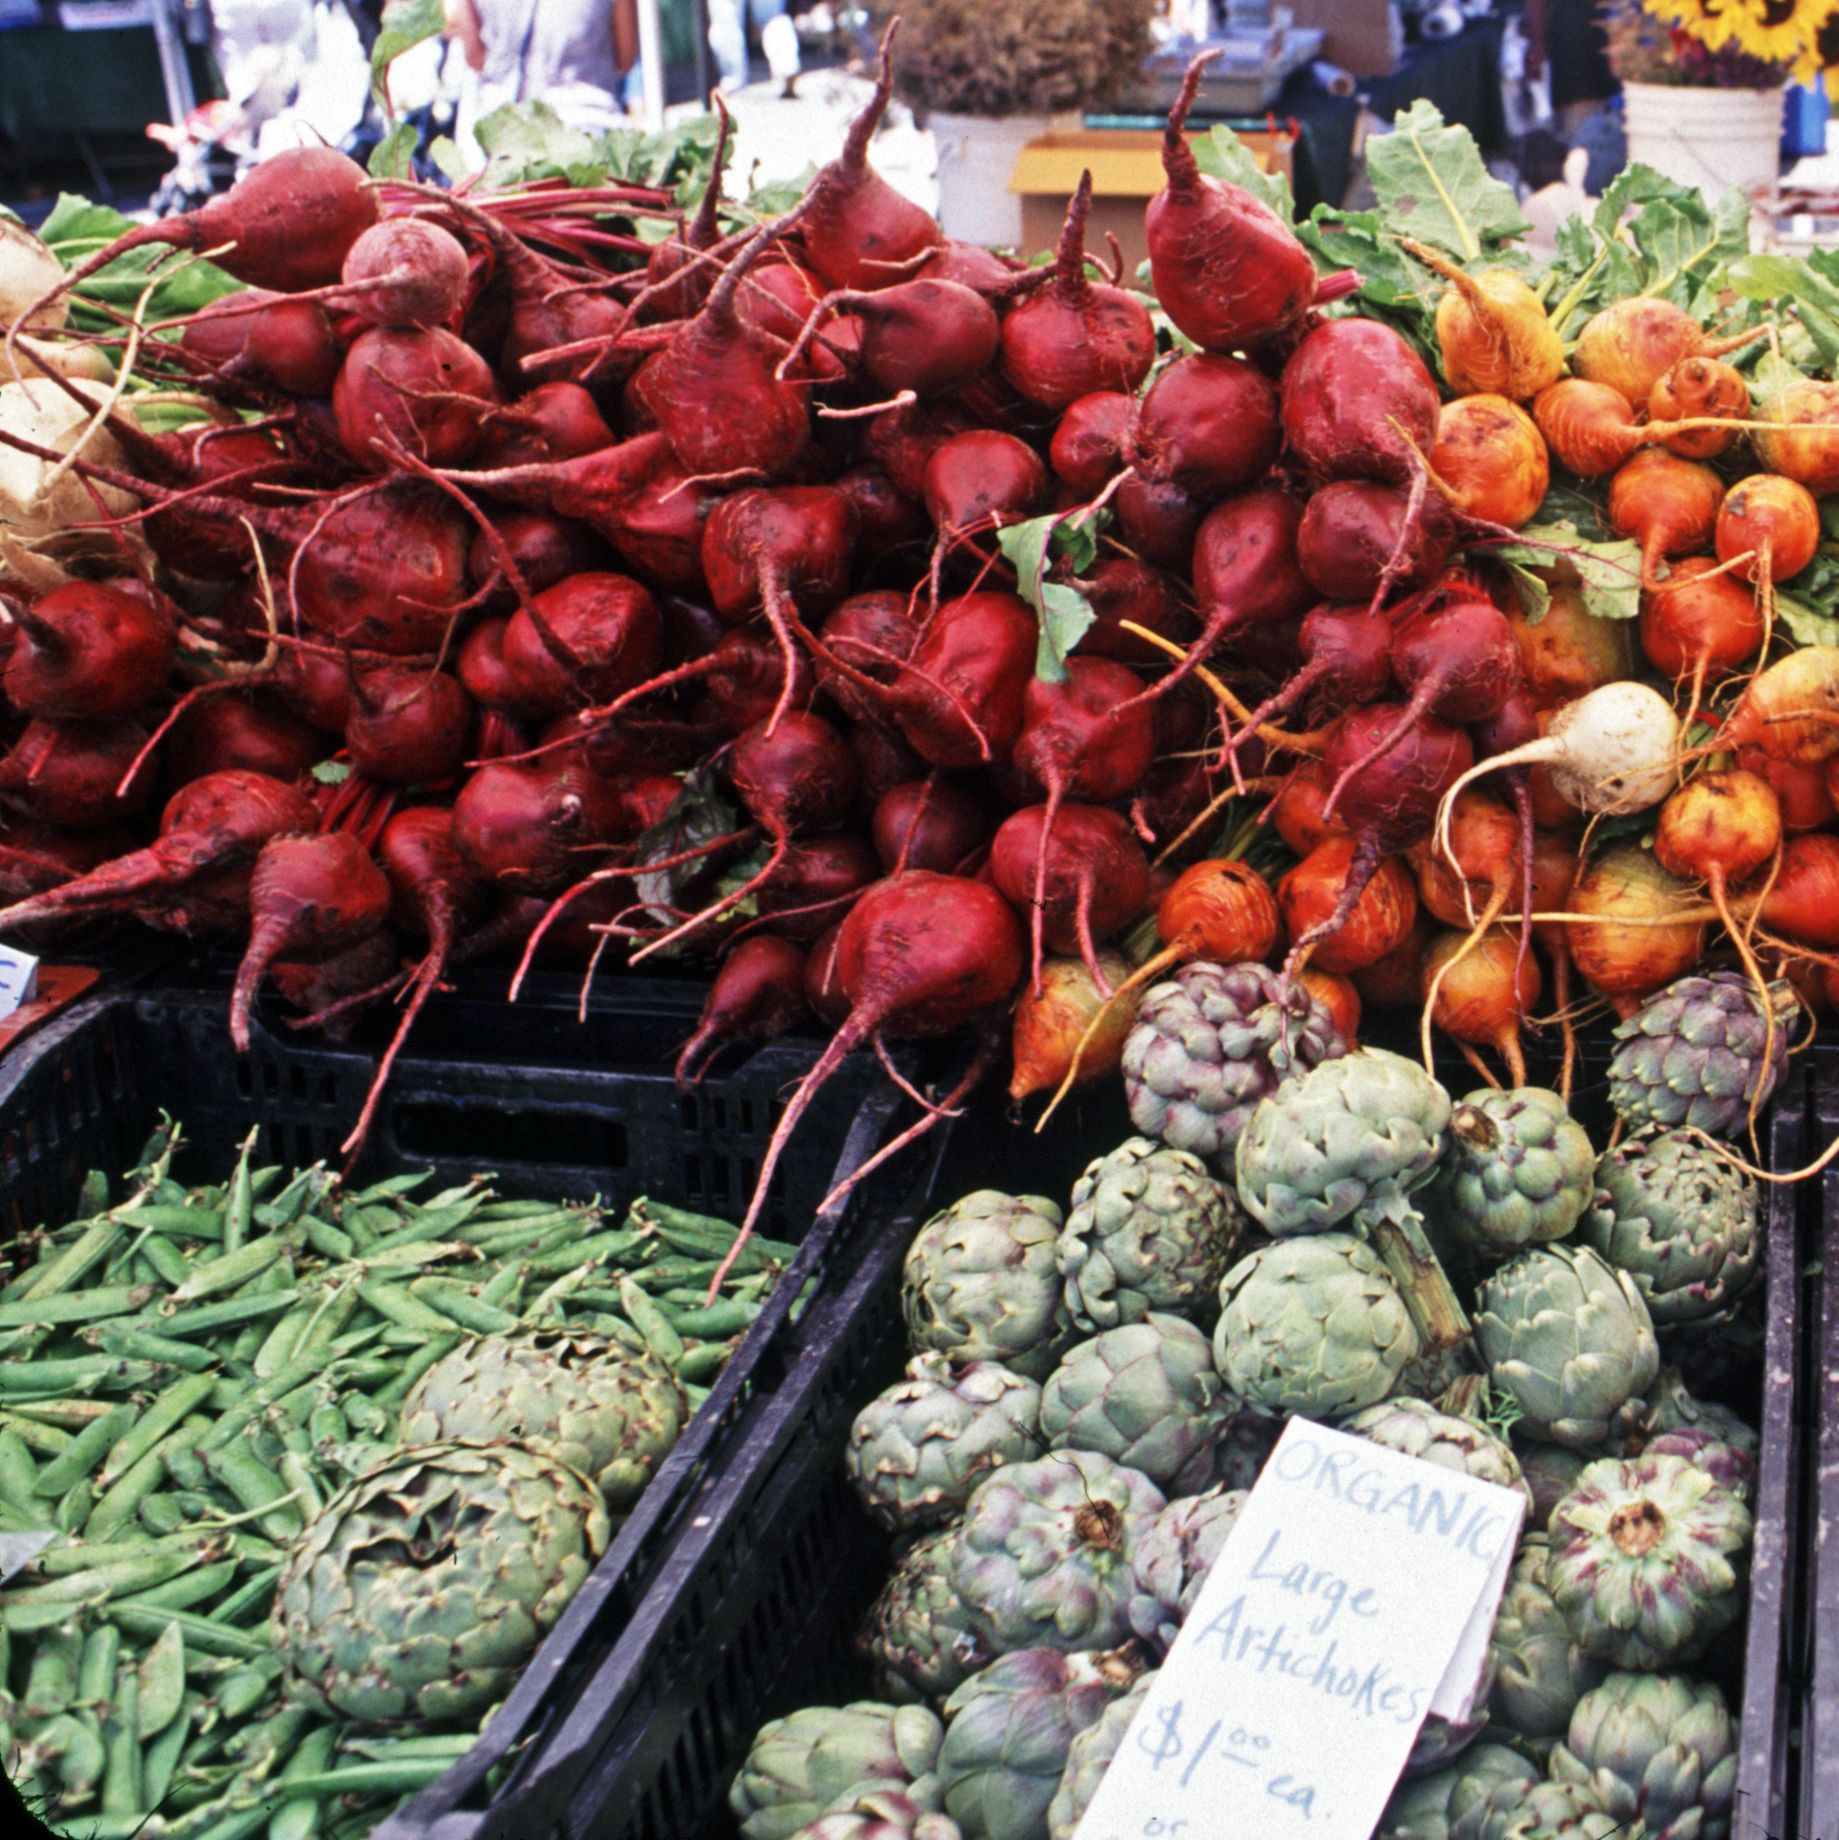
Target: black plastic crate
column 555, row 1106
column 759, row 1601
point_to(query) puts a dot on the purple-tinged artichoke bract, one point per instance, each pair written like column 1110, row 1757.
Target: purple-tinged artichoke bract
column 1647, row 1560
column 799, row 1766
column 1415, row 1428
column 1210, row 1043
column 1088, row 1757
column 1427, row 1807
column 1540, row 1673
column 1172, row 1558
column 881, row 1814
column 918, row 1636
column 1518, row 1171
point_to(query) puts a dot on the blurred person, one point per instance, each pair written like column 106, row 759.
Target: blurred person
column 1565, row 37
column 574, row 55
column 778, row 41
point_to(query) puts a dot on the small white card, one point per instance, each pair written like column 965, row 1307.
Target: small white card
column 18, row 979
column 1354, row 1596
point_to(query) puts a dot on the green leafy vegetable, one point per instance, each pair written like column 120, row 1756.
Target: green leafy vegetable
column 406, row 24
column 1431, row 183
column 76, row 229
column 1608, row 573
column 1222, row 155
column 393, row 157
column 1063, row 612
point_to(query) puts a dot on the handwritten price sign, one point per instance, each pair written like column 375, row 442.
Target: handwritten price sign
column 1353, row 1598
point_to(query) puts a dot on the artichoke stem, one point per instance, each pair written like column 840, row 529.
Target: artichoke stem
column 1397, row 1235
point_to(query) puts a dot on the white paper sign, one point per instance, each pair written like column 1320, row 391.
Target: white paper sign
column 1354, row 1596
column 18, row 979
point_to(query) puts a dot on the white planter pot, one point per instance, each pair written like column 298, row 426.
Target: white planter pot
column 1715, row 139
column 976, row 156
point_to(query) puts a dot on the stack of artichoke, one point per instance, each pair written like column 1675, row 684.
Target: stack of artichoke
column 1090, row 1395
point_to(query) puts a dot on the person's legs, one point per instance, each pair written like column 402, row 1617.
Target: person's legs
column 728, row 41
column 778, row 38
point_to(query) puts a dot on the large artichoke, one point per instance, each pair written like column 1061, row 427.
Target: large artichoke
column 881, row 1814
column 1040, row 1557
column 1647, row 1560
column 918, row 1449
column 1539, row 1671
column 1417, row 1429
column 1570, row 1338
column 1681, row 1220
column 1172, row 1557
column 1313, row 1325
column 1427, row 1807
column 1657, row 1748
column 1146, row 1395
column 1007, row 1732
column 1088, row 1757
column 1149, row 1229
column 420, row 1589
column 1518, row 1170
column 1729, row 1465
column 1324, row 1149
column 1539, row 1811
column 918, row 1636
column 798, row 1767
column 1210, row 1043
column 981, row 1283
column 610, row 1411
column 1678, row 1408
column 1698, row 1053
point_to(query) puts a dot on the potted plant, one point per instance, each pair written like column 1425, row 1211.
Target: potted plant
column 993, row 75
column 1702, row 85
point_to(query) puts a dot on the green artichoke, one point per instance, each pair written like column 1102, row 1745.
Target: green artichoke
column 1149, row 1229
column 917, row 1450
column 1313, row 1325
column 1417, row 1429
column 800, row 1766
column 1324, row 1148
column 980, row 1283
column 881, row 1814
column 1426, row 1807
column 1007, row 1732
column 1539, row 1811
column 1088, row 1757
column 1656, row 1748
column 1212, row 1042
column 1539, row 1671
column 1699, row 1053
column 418, row 1591
column 1146, row 1395
column 918, row 1636
column 1681, row 1221
column 1172, row 1557
column 607, row 1410
column 1647, row 1560
column 1570, row 1338
column 1518, row 1171
column 1040, row 1557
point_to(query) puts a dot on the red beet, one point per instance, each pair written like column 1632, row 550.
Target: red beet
column 1079, row 869
column 1359, row 404
column 87, row 649
column 1358, row 536
column 758, row 993
column 1090, row 440
column 407, row 726
column 586, row 640
column 267, row 338
column 928, row 824
column 1208, row 423
column 423, row 389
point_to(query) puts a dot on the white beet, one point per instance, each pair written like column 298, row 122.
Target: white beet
column 1613, row 751
column 47, row 416
column 28, row 271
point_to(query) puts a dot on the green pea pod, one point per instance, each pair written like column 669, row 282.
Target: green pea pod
column 368, row 1417
column 173, row 1220
column 83, row 1373
column 239, row 1694
column 297, row 1473
column 162, row 1756
column 703, row 1362
column 328, row 1241
column 389, row 1188
column 118, row 1504
column 237, row 1468
column 394, row 1303
column 393, row 1779
column 163, row 1513
column 161, row 1682
column 89, row 1249
column 451, row 1745
column 67, row 1414
column 239, row 1199
column 501, row 1288
column 73, row 1307
column 18, row 1468
column 703, row 1236
column 93, row 1196
column 185, row 1469
column 282, row 1335
column 650, row 1322
column 230, row 1313
column 96, row 1668
column 86, row 1450
column 718, row 1322
column 187, row 1590
column 251, row 1598
column 299, row 1817
column 163, row 1259
column 597, row 1249
column 455, row 1301
column 144, row 1345
column 81, row 1763
column 230, row 1271
column 121, row 1741
column 118, row 1577
column 73, row 1507
column 51, row 1682
column 334, row 1312
column 171, row 1408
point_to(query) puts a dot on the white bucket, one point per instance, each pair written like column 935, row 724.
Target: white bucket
column 977, row 153
column 1715, row 139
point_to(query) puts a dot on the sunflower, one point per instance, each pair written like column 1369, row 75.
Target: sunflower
column 1821, row 58
column 1777, row 31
